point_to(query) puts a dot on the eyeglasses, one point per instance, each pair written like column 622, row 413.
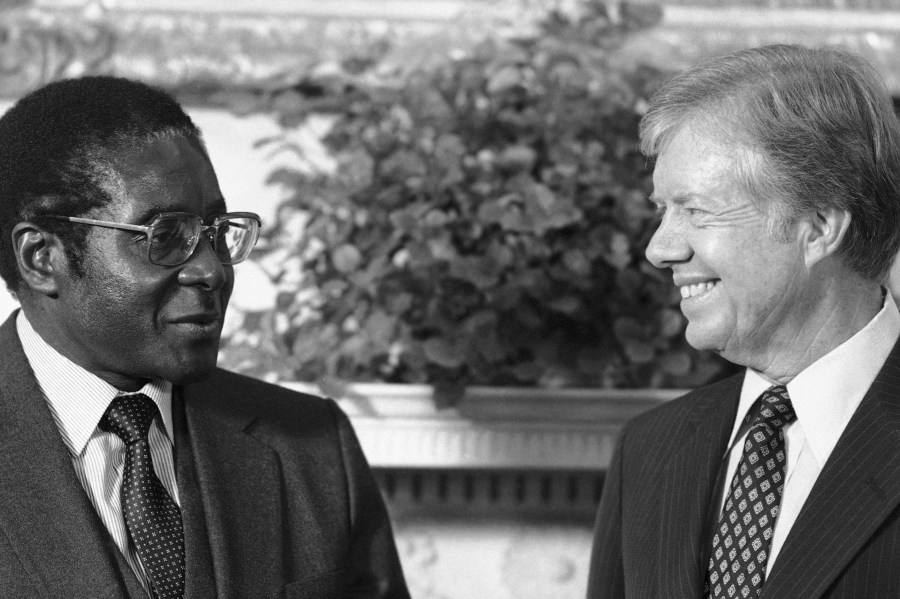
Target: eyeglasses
column 175, row 235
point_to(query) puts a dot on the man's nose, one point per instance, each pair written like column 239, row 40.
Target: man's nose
column 204, row 267
column 668, row 244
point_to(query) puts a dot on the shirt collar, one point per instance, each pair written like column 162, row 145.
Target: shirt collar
column 826, row 393
column 78, row 398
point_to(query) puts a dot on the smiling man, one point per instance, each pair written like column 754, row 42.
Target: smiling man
column 777, row 180
column 132, row 466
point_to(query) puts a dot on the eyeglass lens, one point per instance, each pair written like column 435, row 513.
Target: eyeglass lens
column 235, row 238
column 174, row 239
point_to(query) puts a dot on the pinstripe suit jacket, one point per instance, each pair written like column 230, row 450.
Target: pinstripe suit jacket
column 276, row 498
column 652, row 532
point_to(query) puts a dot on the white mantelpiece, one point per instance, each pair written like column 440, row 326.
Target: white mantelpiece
column 500, row 428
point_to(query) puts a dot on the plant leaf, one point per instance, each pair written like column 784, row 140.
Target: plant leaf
column 443, row 352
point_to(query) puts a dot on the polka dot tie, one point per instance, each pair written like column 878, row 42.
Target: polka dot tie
column 152, row 518
column 737, row 565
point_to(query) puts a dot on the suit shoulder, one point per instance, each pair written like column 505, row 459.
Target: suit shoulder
column 683, row 406
column 235, row 392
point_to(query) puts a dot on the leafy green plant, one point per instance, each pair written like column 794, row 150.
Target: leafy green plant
column 484, row 222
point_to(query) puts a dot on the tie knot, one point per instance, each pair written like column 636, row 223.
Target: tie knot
column 775, row 409
column 129, row 417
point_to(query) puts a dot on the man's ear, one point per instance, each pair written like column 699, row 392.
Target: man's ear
column 38, row 255
column 824, row 232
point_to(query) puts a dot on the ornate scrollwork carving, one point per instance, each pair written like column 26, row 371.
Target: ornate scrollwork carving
column 547, row 561
column 202, row 55
column 37, row 47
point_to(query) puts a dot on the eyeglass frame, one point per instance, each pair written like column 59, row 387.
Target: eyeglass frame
column 147, row 230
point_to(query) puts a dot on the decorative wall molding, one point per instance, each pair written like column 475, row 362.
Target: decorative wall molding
column 687, row 34
column 506, row 452
column 786, row 19
column 393, row 10
column 195, row 48
column 566, row 430
column 494, row 558
column 199, row 49
column 541, row 495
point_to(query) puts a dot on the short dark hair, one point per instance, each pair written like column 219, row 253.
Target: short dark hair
column 812, row 129
column 59, row 148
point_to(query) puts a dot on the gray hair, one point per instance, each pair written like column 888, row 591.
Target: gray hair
column 812, row 129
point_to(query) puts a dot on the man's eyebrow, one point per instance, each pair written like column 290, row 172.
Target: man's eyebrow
column 677, row 199
column 216, row 207
column 153, row 209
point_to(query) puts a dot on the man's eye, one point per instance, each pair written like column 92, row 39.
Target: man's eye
column 163, row 235
column 171, row 233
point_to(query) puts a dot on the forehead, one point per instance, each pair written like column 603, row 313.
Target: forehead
column 702, row 164
column 165, row 175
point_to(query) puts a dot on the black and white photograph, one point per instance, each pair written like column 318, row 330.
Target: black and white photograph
column 449, row 299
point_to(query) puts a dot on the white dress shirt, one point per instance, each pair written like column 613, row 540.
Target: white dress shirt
column 78, row 399
column 824, row 395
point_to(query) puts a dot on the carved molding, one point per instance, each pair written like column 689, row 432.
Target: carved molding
column 490, row 558
column 446, row 443
column 37, row 47
column 198, row 49
column 688, row 34
column 195, row 49
column 542, row 563
column 492, row 428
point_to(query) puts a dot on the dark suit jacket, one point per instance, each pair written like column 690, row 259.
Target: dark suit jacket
column 276, row 496
column 652, row 531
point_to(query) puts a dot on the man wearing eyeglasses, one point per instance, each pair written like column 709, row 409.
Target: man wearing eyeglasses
column 131, row 466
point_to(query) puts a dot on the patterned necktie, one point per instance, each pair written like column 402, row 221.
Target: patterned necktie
column 737, row 566
column 152, row 518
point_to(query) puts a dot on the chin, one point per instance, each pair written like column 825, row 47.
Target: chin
column 704, row 338
column 191, row 371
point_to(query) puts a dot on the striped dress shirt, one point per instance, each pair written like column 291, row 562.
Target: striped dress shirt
column 77, row 400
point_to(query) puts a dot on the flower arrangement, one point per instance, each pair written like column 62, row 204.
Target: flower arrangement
column 484, row 223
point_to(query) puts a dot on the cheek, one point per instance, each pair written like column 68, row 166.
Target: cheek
column 748, row 261
column 766, row 298
column 129, row 306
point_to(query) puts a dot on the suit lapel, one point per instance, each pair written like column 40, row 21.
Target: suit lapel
column 238, row 478
column 688, row 485
column 199, row 578
column 44, row 512
column 858, row 488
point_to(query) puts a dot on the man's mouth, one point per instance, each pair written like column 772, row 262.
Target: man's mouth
column 696, row 289
column 197, row 319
